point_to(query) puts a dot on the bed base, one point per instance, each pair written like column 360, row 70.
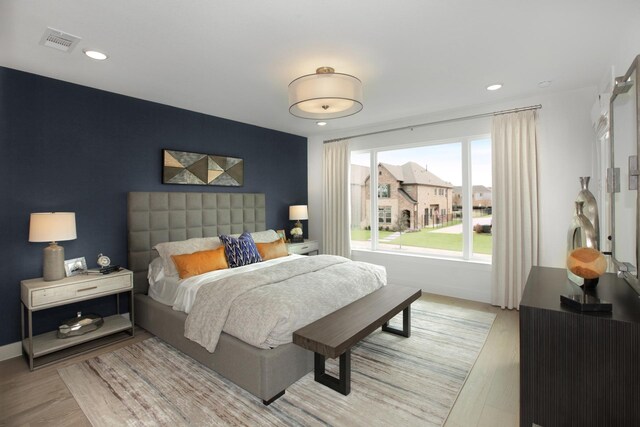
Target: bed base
column 263, row 373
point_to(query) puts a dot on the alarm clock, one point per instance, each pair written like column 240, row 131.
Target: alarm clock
column 103, row 261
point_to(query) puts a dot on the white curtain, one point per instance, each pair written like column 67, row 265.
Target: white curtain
column 515, row 205
column 335, row 199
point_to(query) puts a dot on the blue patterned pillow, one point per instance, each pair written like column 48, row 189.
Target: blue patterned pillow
column 240, row 251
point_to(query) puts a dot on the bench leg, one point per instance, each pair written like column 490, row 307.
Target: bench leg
column 406, row 324
column 342, row 384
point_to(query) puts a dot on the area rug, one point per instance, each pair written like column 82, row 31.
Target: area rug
column 395, row 381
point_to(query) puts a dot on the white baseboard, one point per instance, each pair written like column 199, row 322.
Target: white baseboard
column 10, row 351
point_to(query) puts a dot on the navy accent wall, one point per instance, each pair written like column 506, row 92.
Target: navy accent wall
column 65, row 147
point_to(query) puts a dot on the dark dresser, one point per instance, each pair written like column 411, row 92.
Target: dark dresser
column 578, row 369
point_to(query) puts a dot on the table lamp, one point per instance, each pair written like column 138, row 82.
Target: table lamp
column 298, row 212
column 52, row 227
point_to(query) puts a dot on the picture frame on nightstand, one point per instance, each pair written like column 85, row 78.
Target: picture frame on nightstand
column 75, row 266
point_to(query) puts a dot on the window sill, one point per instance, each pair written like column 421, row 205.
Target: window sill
column 451, row 258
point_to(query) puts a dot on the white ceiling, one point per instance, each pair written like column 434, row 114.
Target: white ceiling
column 234, row 59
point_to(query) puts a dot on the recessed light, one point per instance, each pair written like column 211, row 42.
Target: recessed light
column 494, row 86
column 544, row 83
column 94, row 54
column 321, row 123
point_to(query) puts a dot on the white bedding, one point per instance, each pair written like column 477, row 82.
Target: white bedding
column 187, row 289
column 161, row 288
column 263, row 307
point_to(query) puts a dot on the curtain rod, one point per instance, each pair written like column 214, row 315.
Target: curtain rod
column 455, row 119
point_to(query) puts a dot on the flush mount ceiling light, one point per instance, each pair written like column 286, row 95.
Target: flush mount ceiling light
column 325, row 95
column 494, row 86
column 94, row 54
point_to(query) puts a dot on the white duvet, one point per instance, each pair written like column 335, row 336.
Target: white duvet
column 264, row 305
column 187, row 289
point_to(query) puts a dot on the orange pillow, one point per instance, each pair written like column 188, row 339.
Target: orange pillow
column 272, row 250
column 200, row 262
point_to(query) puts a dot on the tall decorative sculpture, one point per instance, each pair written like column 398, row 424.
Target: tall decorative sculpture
column 589, row 208
column 585, row 262
column 584, row 230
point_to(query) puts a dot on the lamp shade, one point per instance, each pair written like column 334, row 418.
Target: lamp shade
column 52, row 226
column 297, row 212
column 325, row 95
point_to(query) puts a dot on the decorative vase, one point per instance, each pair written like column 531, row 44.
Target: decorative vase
column 581, row 235
column 590, row 208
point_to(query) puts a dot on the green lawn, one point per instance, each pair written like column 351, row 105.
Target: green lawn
column 427, row 239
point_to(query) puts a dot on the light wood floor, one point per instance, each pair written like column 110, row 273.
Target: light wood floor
column 490, row 396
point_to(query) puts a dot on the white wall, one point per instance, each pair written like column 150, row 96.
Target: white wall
column 627, row 49
column 564, row 154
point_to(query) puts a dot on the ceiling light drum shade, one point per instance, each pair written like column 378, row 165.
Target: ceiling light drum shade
column 52, row 226
column 325, row 95
column 297, row 212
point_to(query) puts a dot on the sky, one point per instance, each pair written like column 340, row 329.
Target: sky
column 444, row 160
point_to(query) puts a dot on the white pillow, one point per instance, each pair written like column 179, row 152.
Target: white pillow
column 166, row 249
column 156, row 271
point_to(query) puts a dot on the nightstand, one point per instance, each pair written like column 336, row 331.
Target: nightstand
column 36, row 295
column 304, row 248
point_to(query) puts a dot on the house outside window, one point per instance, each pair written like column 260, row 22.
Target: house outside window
column 384, row 214
column 384, row 191
column 417, row 214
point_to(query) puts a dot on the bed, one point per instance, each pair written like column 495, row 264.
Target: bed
column 169, row 217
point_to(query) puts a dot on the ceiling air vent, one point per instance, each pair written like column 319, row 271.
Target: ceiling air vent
column 59, row 40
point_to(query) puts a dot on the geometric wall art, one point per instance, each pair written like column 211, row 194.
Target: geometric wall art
column 181, row 167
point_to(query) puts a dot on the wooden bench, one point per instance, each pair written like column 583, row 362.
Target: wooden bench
column 336, row 333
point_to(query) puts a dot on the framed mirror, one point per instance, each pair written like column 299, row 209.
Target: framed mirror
column 622, row 176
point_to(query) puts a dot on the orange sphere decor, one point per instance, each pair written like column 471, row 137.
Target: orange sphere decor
column 587, row 263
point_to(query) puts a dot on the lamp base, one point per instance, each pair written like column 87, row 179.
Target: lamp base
column 53, row 267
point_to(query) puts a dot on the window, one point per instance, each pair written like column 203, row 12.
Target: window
column 481, row 179
column 442, row 211
column 384, row 214
column 384, row 190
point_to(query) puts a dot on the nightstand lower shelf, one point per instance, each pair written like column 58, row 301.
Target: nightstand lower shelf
column 48, row 348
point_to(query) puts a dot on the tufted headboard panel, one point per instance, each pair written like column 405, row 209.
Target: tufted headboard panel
column 155, row 217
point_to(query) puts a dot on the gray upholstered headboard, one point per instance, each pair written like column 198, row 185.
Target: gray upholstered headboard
column 167, row 217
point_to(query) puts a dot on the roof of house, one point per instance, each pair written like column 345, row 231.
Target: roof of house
column 407, row 195
column 481, row 189
column 413, row 173
column 359, row 174
column 475, row 189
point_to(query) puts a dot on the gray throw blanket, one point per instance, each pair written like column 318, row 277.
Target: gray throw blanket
column 264, row 307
